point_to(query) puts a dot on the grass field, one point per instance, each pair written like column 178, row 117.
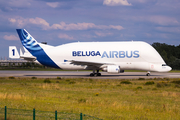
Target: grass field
column 106, row 99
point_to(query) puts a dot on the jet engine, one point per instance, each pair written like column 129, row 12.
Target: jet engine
column 112, row 69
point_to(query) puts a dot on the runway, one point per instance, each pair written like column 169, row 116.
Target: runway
column 85, row 74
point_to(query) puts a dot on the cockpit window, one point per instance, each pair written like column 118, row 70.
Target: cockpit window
column 164, row 65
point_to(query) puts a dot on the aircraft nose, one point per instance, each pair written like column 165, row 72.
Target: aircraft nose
column 169, row 68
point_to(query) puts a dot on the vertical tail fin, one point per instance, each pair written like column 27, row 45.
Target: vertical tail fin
column 13, row 53
column 28, row 41
column 35, row 48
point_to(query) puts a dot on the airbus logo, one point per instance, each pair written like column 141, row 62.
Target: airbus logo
column 109, row 54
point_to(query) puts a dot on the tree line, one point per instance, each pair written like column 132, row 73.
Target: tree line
column 170, row 54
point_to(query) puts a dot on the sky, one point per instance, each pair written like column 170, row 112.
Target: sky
column 64, row 21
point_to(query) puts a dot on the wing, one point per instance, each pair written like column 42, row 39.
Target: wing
column 89, row 64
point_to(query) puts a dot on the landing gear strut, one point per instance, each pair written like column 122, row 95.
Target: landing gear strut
column 148, row 73
column 95, row 74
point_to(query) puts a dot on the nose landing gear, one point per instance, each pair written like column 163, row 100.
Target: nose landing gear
column 148, row 73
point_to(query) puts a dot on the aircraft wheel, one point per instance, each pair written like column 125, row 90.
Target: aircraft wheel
column 92, row 74
column 98, row 74
column 148, row 74
column 95, row 74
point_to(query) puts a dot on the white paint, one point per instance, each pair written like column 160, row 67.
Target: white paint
column 139, row 56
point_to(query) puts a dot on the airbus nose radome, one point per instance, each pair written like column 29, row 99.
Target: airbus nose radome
column 169, row 68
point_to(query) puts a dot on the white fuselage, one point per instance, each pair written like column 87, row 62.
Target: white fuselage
column 127, row 55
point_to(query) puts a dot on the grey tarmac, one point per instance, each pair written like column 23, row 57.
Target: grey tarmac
column 85, row 74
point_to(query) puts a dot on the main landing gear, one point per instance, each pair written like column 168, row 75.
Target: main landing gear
column 95, row 74
column 148, row 73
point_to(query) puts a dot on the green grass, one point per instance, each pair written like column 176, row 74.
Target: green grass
column 175, row 71
column 106, row 99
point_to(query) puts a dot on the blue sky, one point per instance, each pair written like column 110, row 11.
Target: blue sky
column 63, row 21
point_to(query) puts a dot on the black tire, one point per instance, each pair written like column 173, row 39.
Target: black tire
column 148, row 74
column 95, row 74
column 98, row 74
column 92, row 74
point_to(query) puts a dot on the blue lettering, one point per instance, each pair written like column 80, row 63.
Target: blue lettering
column 136, row 54
column 121, row 54
column 127, row 54
column 105, row 55
column 88, row 54
column 78, row 53
column 83, row 54
column 74, row 53
column 109, row 54
column 13, row 52
column 98, row 53
column 93, row 53
column 114, row 53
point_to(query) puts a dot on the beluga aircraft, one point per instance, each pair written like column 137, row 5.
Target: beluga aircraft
column 111, row 57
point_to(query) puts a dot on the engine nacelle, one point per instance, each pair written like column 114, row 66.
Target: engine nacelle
column 112, row 69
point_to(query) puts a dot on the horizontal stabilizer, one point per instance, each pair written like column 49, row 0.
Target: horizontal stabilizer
column 27, row 55
column 32, row 58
